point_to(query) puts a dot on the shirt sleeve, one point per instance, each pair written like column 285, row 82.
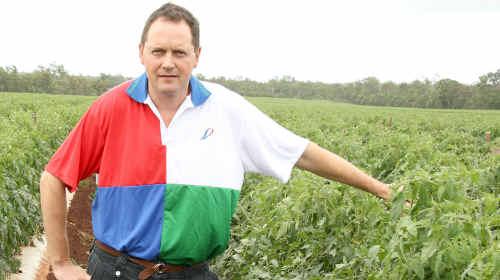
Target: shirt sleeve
column 79, row 155
column 267, row 147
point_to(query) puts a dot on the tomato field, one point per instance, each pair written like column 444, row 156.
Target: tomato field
column 316, row 229
column 312, row 228
column 31, row 127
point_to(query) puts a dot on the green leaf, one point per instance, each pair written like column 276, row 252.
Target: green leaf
column 417, row 267
column 373, row 252
column 428, row 251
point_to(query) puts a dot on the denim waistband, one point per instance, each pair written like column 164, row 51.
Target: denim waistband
column 105, row 266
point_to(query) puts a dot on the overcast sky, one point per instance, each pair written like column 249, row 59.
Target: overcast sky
column 329, row 41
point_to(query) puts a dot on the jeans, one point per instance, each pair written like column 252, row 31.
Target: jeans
column 103, row 266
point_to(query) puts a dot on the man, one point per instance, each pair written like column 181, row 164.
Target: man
column 171, row 153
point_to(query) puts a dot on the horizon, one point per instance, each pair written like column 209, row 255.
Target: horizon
column 240, row 78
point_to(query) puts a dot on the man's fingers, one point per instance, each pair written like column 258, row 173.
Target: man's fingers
column 69, row 271
column 85, row 276
column 397, row 190
column 408, row 203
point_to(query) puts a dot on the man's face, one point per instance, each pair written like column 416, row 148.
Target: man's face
column 169, row 57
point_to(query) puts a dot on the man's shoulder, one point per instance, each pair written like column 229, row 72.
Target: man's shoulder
column 114, row 95
column 222, row 95
column 113, row 101
column 232, row 104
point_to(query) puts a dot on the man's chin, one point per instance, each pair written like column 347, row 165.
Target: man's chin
column 168, row 90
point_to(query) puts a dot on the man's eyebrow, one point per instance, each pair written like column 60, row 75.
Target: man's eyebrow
column 173, row 47
column 154, row 47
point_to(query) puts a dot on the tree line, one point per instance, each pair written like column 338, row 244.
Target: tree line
column 56, row 80
column 445, row 93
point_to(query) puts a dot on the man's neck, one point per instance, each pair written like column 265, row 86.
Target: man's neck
column 168, row 103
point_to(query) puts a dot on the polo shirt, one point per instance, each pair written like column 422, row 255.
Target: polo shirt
column 168, row 193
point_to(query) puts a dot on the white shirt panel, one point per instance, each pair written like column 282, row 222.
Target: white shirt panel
column 201, row 149
column 264, row 146
column 215, row 143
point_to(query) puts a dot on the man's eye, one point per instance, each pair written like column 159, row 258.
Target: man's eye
column 179, row 53
column 158, row 52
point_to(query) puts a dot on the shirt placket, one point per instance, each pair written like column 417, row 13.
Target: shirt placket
column 166, row 131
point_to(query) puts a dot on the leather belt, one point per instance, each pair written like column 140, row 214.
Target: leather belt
column 150, row 268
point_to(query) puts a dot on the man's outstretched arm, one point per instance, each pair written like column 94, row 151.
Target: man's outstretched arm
column 331, row 166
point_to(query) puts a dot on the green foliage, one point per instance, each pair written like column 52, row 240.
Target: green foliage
column 490, row 79
column 55, row 79
column 312, row 228
column 32, row 126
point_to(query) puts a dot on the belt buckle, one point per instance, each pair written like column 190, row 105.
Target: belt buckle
column 159, row 268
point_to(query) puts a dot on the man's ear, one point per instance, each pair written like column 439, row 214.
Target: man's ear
column 141, row 53
column 197, row 54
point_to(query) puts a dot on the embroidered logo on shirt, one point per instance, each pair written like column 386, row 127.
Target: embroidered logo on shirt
column 207, row 133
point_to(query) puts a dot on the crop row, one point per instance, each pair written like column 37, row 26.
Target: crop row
column 313, row 228
column 31, row 127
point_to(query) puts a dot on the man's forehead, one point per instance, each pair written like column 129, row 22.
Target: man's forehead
column 162, row 24
column 166, row 31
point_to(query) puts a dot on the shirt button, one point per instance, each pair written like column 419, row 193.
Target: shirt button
column 118, row 273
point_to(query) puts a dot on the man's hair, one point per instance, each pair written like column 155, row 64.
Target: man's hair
column 174, row 13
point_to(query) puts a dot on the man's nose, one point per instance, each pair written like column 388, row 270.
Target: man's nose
column 168, row 62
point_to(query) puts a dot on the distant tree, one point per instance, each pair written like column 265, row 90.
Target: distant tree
column 42, row 80
column 490, row 79
column 12, row 80
column 449, row 93
column 3, row 79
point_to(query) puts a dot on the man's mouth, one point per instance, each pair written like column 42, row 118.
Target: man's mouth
column 167, row 76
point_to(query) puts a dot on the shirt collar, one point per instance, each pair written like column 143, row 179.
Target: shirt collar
column 138, row 90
